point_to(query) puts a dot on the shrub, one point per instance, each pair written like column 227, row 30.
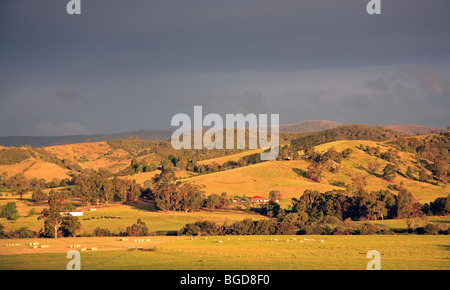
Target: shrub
column 314, row 229
column 2, row 232
column 367, row 229
column 137, row 229
column 431, row 229
column 39, row 195
column 23, row 233
column 70, row 225
column 189, row 230
column 285, row 228
column 99, row 232
column 13, row 156
column 9, row 211
column 420, row 230
column 32, row 212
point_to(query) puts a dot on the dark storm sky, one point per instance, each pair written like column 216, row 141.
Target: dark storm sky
column 132, row 64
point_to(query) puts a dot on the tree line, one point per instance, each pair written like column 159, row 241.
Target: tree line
column 332, row 213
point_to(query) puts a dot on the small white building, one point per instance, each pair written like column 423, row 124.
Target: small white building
column 73, row 213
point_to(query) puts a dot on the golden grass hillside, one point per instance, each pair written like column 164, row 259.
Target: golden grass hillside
column 233, row 157
column 93, row 155
column 260, row 179
column 358, row 162
column 36, row 168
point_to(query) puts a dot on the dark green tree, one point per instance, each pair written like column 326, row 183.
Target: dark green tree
column 213, row 202
column 9, row 211
column 389, row 172
column 137, row 229
column 315, row 171
column 274, row 196
column 423, row 175
column 410, row 172
column 52, row 216
column 165, row 190
column 70, row 225
column 38, row 195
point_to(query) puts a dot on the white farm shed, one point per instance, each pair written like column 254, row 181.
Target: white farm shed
column 73, row 213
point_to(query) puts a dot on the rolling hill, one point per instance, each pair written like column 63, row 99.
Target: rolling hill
column 116, row 156
column 412, row 129
column 45, row 141
column 151, row 135
column 309, row 126
column 261, row 178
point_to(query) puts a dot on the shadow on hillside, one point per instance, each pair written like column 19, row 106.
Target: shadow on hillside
column 301, row 172
column 441, row 221
column 143, row 205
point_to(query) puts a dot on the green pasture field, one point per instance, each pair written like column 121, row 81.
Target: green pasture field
column 397, row 252
column 117, row 217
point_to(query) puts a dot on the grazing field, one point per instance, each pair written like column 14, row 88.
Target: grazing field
column 36, row 168
column 260, row 179
column 164, row 250
column 118, row 217
column 399, row 252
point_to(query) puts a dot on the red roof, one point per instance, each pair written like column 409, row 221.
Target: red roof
column 258, row 197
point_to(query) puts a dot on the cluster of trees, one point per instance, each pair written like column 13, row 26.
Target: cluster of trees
column 19, row 184
column 432, row 153
column 245, row 227
column 22, row 233
column 288, row 226
column 344, row 132
column 10, row 156
column 55, row 223
column 176, row 196
column 439, row 207
column 167, row 157
column 390, row 171
column 164, row 155
column 320, row 163
column 333, row 212
column 95, row 188
column 314, row 206
column 138, row 166
column 391, row 155
column 91, row 186
column 215, row 167
column 136, row 230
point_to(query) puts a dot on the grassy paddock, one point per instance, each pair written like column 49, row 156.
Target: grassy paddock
column 234, row 253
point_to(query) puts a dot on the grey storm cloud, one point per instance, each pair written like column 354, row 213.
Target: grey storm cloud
column 69, row 94
column 128, row 65
column 407, row 93
column 252, row 102
column 378, row 84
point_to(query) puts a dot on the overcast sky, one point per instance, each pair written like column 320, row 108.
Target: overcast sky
column 132, row 64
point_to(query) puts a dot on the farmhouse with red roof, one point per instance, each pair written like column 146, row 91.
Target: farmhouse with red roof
column 258, row 198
